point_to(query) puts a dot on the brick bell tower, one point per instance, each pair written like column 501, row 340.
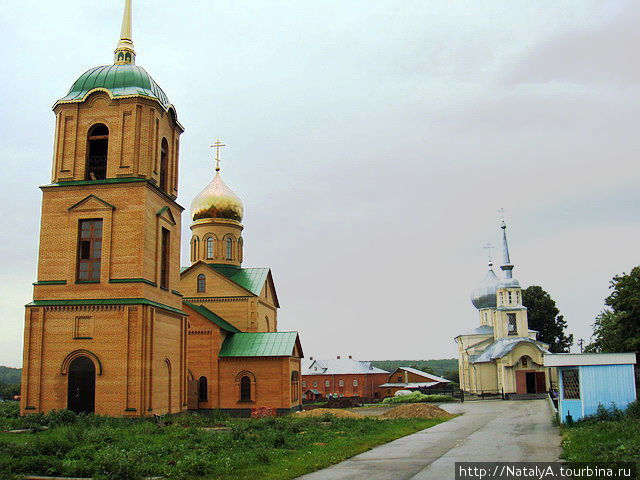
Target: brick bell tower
column 105, row 332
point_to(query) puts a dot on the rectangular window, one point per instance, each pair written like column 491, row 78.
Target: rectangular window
column 355, row 383
column 399, row 378
column 89, row 250
column 571, row 384
column 304, row 383
column 315, row 384
column 164, row 259
column 326, row 383
column 509, row 297
column 512, row 328
column 341, row 383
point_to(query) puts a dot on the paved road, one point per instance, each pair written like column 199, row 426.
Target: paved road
column 488, row 431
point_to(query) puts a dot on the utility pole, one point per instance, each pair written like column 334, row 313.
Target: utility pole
column 580, row 342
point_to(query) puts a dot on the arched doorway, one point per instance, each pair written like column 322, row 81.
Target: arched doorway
column 81, row 391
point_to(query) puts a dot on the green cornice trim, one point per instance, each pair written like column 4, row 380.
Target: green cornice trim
column 105, row 301
column 133, row 280
column 50, row 282
column 107, row 181
column 73, row 183
column 175, row 292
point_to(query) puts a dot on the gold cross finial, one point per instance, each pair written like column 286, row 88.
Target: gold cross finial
column 217, row 145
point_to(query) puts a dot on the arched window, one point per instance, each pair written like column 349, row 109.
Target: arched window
column 202, row 283
column 210, row 247
column 97, row 148
column 194, row 249
column 202, row 389
column 245, row 389
column 240, row 244
column 229, row 243
column 164, row 164
column 295, row 379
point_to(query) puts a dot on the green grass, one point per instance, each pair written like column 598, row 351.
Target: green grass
column 130, row 449
column 608, row 436
column 418, row 397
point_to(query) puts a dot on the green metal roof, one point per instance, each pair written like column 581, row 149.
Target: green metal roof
column 251, row 279
column 209, row 315
column 125, row 80
column 266, row 344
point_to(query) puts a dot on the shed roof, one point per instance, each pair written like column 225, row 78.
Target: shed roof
column 260, row 344
column 409, row 385
column 209, row 315
column 430, row 376
column 571, row 359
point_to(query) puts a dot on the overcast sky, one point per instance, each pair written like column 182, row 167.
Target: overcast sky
column 372, row 143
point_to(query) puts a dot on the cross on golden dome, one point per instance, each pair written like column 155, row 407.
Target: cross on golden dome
column 218, row 145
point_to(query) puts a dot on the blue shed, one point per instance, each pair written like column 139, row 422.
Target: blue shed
column 587, row 380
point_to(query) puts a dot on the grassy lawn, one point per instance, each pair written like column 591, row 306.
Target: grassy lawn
column 125, row 449
column 609, row 436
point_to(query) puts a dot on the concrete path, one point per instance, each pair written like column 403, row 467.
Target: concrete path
column 488, row 431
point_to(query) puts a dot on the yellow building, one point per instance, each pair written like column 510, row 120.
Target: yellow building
column 108, row 330
column 501, row 355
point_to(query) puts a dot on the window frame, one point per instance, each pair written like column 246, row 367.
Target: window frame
column 93, row 274
column 201, row 283
column 228, row 248
column 165, row 257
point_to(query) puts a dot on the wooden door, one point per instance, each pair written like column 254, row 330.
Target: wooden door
column 541, row 386
column 521, row 382
column 192, row 394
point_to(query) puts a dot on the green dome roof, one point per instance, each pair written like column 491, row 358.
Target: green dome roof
column 120, row 80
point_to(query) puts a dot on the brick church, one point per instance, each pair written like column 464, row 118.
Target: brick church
column 115, row 327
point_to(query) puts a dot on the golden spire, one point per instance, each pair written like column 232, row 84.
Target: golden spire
column 124, row 52
column 217, row 145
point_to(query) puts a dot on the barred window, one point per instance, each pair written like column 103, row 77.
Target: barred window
column 571, row 384
column 511, row 324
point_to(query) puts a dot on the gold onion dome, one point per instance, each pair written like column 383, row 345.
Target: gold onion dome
column 217, row 200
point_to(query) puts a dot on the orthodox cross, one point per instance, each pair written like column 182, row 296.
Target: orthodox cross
column 217, row 145
column 501, row 212
column 489, row 247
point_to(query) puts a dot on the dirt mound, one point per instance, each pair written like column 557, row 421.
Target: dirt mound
column 319, row 412
column 416, row 410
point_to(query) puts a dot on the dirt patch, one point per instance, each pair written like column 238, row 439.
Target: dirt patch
column 319, row 412
column 416, row 410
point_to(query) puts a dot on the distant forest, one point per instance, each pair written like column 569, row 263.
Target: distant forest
column 446, row 367
column 9, row 381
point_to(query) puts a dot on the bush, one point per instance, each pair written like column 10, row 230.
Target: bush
column 418, row 397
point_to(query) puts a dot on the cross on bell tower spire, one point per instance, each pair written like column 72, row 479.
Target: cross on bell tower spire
column 124, row 52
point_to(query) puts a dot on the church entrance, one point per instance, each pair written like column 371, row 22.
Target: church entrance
column 530, row 382
column 81, row 391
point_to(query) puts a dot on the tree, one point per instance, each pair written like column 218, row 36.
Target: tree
column 617, row 328
column 543, row 317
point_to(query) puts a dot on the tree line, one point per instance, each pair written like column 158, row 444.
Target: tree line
column 616, row 328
